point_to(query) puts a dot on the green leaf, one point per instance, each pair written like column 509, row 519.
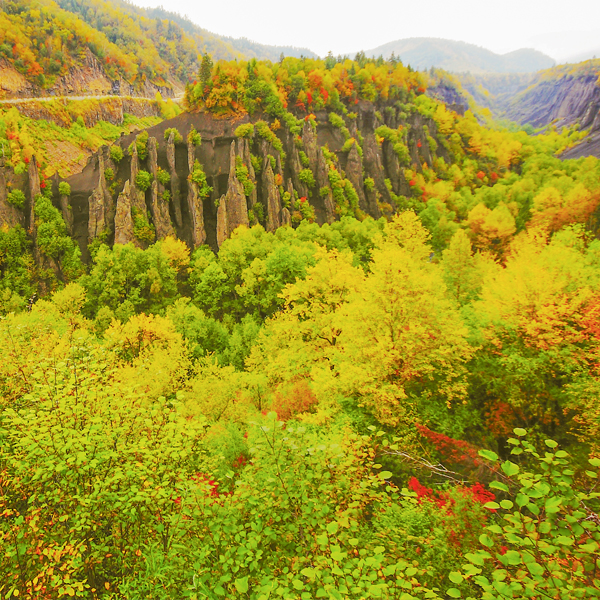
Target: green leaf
column 455, row 577
column 553, row 504
column 485, row 541
column 385, row 474
column 534, row 568
column 510, row 468
column 332, row 527
column 595, row 462
column 298, row 584
column 513, row 558
column 551, row 443
column 491, row 505
column 489, row 455
column 453, row 593
column 497, row 485
column 520, row 432
column 506, row 504
column 241, row 585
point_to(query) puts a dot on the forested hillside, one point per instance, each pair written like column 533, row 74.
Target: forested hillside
column 319, row 336
column 106, row 46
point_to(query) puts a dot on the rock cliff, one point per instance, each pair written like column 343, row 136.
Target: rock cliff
column 278, row 176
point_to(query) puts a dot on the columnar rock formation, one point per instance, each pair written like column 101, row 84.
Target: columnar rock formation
column 233, row 208
column 257, row 179
column 159, row 204
column 194, row 202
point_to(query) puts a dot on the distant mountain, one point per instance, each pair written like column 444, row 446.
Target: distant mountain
column 246, row 47
column 460, row 57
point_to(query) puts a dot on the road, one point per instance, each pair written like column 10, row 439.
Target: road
column 99, row 97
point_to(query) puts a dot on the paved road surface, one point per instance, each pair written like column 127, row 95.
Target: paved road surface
column 100, row 97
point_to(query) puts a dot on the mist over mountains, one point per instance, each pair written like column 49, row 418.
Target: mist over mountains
column 461, row 57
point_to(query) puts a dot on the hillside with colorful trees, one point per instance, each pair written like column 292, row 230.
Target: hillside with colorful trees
column 43, row 40
column 320, row 336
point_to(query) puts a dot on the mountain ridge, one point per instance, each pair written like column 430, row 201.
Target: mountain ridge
column 455, row 56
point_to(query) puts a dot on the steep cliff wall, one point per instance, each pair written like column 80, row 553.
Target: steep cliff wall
column 274, row 174
column 568, row 100
column 89, row 78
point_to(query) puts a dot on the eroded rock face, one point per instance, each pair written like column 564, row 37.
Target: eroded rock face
column 100, row 203
column 138, row 197
column 233, row 208
column 212, row 220
column 566, row 99
column 159, row 207
column 273, row 198
column 175, row 189
column 10, row 215
column 354, row 169
column 194, row 203
column 123, row 221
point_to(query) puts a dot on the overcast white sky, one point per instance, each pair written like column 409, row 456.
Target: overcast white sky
column 558, row 27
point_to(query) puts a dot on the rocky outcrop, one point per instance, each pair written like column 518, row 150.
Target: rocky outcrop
column 566, row 99
column 374, row 167
column 88, row 78
column 272, row 198
column 64, row 111
column 124, row 233
column 175, row 186
column 10, row 215
column 277, row 196
column 243, row 151
column 354, row 170
column 138, row 197
column 194, row 202
column 159, row 206
column 34, row 189
column 233, row 209
column 100, row 203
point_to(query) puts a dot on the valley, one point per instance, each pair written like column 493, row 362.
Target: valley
column 281, row 326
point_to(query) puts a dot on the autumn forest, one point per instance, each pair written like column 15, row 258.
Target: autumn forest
column 321, row 328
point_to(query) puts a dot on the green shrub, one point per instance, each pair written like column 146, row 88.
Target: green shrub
column 198, row 176
column 64, row 189
column 16, row 198
column 307, row 178
column 116, row 153
column 545, row 542
column 245, row 131
column 142, row 229
column 143, row 180
column 241, row 171
column 163, row 176
column 194, row 137
column 109, row 174
column 177, row 138
column 304, row 159
column 141, row 144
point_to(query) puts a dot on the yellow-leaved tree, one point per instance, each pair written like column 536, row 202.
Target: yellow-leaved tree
column 402, row 344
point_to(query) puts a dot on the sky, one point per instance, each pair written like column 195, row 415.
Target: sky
column 559, row 28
